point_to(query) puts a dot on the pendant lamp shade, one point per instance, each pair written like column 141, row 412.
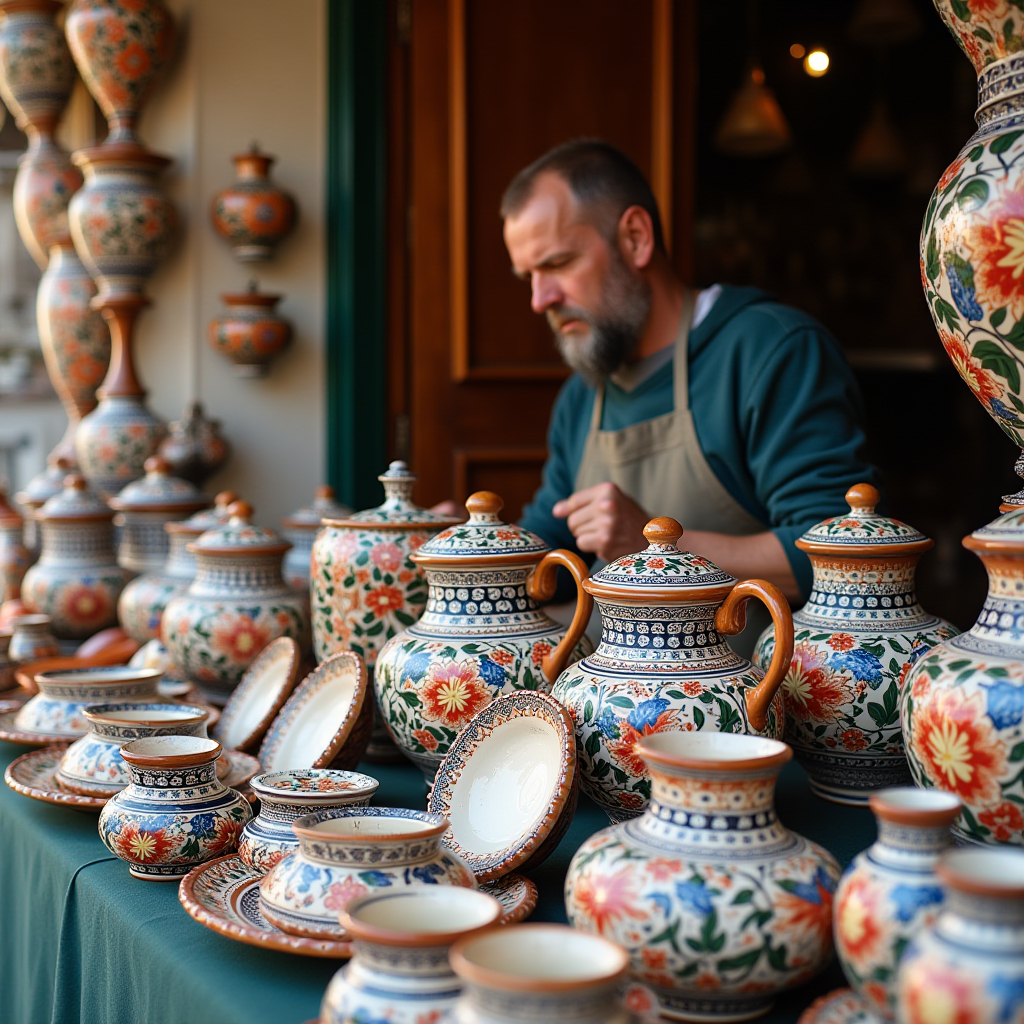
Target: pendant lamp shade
column 754, row 124
column 879, row 151
column 884, row 22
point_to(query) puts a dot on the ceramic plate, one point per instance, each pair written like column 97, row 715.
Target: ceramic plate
column 508, row 784
column 267, row 684
column 843, row 1006
column 319, row 717
column 10, row 732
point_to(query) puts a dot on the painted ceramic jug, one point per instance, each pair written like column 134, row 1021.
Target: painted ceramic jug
column 399, row 970
column 251, row 332
column 962, row 704
column 175, row 813
column 720, row 906
column 483, row 632
column 891, row 892
column 238, row 602
column 854, row 642
column 969, row 966
column 663, row 664
column 77, row 580
column 14, row 556
column 302, row 527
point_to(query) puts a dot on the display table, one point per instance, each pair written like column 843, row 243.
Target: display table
column 82, row 941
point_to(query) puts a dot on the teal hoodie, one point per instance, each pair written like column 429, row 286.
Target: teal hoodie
column 776, row 410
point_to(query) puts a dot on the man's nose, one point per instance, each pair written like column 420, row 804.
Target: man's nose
column 545, row 293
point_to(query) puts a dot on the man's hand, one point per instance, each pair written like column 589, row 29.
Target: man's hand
column 605, row 521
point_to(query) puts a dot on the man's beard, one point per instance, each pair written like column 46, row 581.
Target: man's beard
column 615, row 326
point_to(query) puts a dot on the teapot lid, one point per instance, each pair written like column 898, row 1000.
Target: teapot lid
column 483, row 535
column 207, row 518
column 661, row 570
column 158, row 491
column 239, row 536
column 75, row 501
column 1006, row 531
column 398, row 509
column 323, row 504
column 44, row 485
column 862, row 531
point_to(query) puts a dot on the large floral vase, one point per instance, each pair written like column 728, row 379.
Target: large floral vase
column 114, row 441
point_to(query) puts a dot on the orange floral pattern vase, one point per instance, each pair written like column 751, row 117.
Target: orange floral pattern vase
column 250, row 333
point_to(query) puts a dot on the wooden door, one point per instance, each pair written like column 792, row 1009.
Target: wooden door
column 480, row 89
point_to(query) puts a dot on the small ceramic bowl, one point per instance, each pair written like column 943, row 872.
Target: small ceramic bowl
column 508, row 785
column 286, row 796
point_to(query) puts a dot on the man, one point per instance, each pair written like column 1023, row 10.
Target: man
column 724, row 409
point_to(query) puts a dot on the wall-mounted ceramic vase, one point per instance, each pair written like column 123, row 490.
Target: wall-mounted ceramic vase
column 250, row 333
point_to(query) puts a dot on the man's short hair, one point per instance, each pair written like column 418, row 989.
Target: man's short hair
column 598, row 176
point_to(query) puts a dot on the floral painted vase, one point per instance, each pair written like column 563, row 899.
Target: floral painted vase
column 175, row 813
column 32, row 640
column 253, row 214
column 663, row 664
column 250, row 333
column 14, row 556
column 856, row 639
column 237, row 603
column 890, row 892
column 77, row 580
column 483, row 632
column 193, row 447
column 720, row 906
column 302, row 527
column 349, row 852
column 969, row 965
column 399, row 970
column 120, row 47
column 962, row 704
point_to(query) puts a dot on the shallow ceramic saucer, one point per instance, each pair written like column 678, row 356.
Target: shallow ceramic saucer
column 10, row 732
column 326, row 722
column 268, row 682
column 508, row 785
column 843, row 1006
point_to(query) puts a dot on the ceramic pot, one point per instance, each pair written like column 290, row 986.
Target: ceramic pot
column 253, row 215
column 483, row 632
column 14, row 556
column 890, row 892
column 45, row 183
column 77, row 580
column 287, row 796
column 93, row 766
column 251, row 333
column 175, row 813
column 720, row 906
column 237, row 603
column 301, row 528
column 7, row 679
column 969, row 966
column 120, row 47
column 534, row 972
column 37, row 492
column 962, row 704
column 32, row 640
column 193, row 447
column 663, row 664
column 856, row 638
column 304, row 891
column 399, row 970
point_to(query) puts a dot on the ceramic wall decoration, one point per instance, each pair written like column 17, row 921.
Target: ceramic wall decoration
column 250, row 333
column 253, row 214
column 720, row 906
column 890, row 893
column 301, row 528
column 969, row 966
column 175, row 813
column 962, row 704
column 349, row 852
column 238, row 602
column 483, row 632
column 663, row 664
column 77, row 580
column 14, row 556
column 856, row 638
column 399, row 970
column 193, row 447
column 32, row 639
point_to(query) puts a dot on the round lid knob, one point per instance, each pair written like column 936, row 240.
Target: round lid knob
column 156, row 464
column 862, row 497
column 225, row 499
column 75, row 482
column 663, row 530
column 324, row 492
column 484, row 503
column 240, row 510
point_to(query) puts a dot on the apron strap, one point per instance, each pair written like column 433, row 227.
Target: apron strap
column 595, row 418
column 681, row 369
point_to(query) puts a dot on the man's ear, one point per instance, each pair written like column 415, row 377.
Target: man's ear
column 636, row 237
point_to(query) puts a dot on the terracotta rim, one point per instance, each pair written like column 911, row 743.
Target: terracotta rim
column 896, row 550
column 470, row 560
column 240, row 552
column 272, row 793
column 31, row 619
column 951, row 871
column 135, row 675
column 49, row 796
column 662, row 759
column 198, row 714
column 350, row 524
column 885, row 805
column 994, row 547
column 182, row 526
column 119, row 152
column 185, row 507
column 676, row 593
column 193, row 759
column 307, row 831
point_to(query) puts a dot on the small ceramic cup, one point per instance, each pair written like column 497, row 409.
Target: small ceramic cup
column 32, row 639
column 286, row 796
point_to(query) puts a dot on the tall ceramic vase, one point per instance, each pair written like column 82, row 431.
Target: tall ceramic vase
column 972, row 256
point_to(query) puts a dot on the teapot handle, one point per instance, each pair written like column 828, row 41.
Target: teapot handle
column 541, row 587
column 731, row 619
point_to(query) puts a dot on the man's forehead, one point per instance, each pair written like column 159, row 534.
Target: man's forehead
column 548, row 219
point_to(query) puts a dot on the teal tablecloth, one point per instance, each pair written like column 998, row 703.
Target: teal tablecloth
column 81, row 942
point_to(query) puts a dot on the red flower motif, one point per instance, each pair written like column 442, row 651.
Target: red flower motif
column 240, row 637
column 452, row 693
column 382, row 600
column 133, row 61
column 857, row 917
column 340, row 894
column 1004, row 821
column 226, row 840
column 661, row 869
column 693, row 688
column 506, row 534
column 655, row 563
column 501, row 657
column 623, row 749
column 540, row 651
column 605, row 899
column 853, row 739
column 143, row 847
column 841, row 642
column 812, row 690
column 980, row 381
column 951, row 172
column 996, row 243
column 929, row 995
column 426, row 739
column 632, row 800
column 799, row 915
column 85, row 605
column 656, row 959
column 387, row 557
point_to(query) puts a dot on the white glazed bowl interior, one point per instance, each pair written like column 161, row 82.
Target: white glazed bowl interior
column 358, row 826
column 258, row 700
column 170, row 746
column 153, row 714
column 713, row 746
column 425, row 910
column 86, row 677
column 991, row 868
column 912, row 799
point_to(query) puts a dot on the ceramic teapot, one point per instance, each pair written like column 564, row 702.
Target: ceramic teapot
column 663, row 664
column 482, row 634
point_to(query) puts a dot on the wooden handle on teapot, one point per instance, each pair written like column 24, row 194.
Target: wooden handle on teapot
column 731, row 619
column 541, row 587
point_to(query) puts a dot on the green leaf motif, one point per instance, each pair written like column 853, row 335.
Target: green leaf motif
column 993, row 358
column 698, row 719
column 736, row 963
column 1002, row 143
column 932, row 266
column 973, row 194
column 983, row 34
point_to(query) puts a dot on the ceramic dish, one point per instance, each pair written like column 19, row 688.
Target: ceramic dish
column 843, row 1006
column 508, row 784
column 268, row 682
column 223, row 895
column 326, row 722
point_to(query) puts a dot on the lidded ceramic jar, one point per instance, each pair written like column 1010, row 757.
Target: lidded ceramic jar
column 962, row 703
column 14, row 556
column 855, row 640
column 251, row 332
column 77, row 580
column 720, row 906
column 663, row 664
column 483, row 632
column 301, row 528
column 237, row 603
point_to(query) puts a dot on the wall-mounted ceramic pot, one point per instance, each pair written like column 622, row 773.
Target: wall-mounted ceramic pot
column 193, row 447
column 251, row 332
column 301, row 528
column 14, row 556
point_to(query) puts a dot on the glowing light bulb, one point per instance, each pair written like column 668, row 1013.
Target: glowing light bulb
column 816, row 63
column 797, row 51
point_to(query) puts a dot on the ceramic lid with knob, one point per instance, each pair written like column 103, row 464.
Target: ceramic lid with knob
column 399, row 510
column 1006, row 531
column 45, row 485
column 158, row 491
column 862, row 531
column 238, row 536
column 75, row 501
column 483, row 536
column 663, row 570
column 207, row 518
column 323, row 506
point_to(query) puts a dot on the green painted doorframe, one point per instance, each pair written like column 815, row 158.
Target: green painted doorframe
column 356, row 188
